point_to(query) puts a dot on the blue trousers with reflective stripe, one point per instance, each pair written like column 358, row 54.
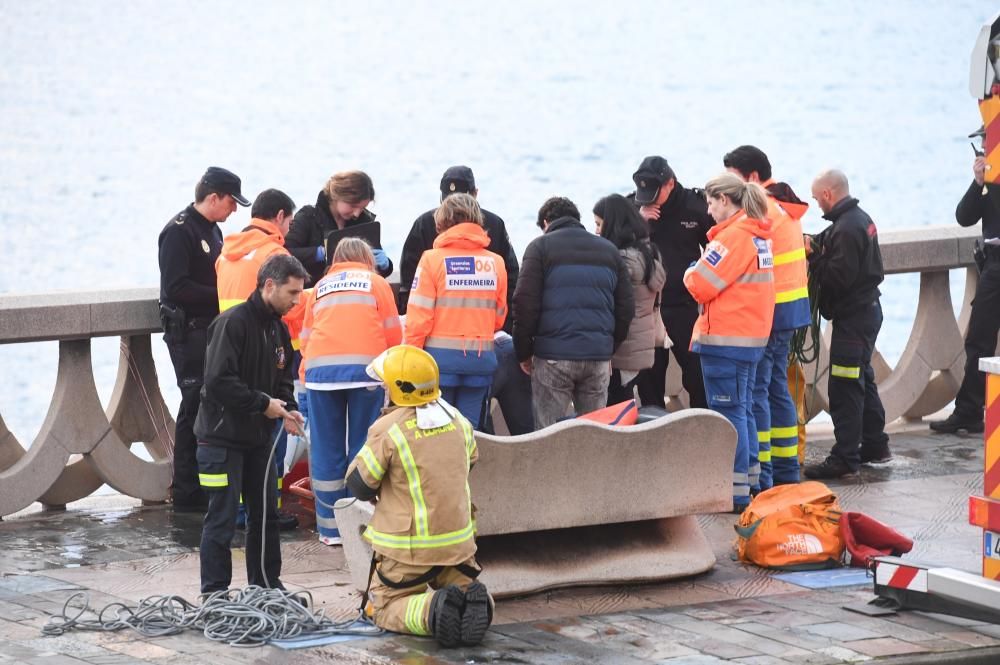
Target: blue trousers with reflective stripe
column 727, row 390
column 775, row 412
column 338, row 424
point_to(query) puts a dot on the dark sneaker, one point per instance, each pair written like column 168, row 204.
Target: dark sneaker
column 738, row 508
column 955, row 422
column 830, row 469
column 877, row 456
column 445, row 618
column 477, row 616
column 287, row 521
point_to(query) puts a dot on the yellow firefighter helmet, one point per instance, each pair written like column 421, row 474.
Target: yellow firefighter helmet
column 410, row 374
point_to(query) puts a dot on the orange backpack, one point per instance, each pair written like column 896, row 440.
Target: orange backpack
column 792, row 527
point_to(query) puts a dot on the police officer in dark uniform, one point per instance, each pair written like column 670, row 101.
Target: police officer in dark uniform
column 984, row 323
column 456, row 180
column 678, row 225
column 846, row 262
column 189, row 245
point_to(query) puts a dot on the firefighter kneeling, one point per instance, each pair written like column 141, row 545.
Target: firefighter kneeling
column 415, row 468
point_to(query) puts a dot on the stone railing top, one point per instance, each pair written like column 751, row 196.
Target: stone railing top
column 928, row 248
column 81, row 314
column 78, row 314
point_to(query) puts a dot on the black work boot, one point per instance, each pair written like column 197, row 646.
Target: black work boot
column 445, row 617
column 955, row 422
column 830, row 469
column 876, row 454
column 478, row 614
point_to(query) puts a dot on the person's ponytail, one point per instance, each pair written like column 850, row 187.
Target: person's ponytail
column 754, row 201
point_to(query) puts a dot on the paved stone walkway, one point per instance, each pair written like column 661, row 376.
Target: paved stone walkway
column 735, row 613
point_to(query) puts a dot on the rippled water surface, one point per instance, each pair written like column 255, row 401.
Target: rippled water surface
column 109, row 112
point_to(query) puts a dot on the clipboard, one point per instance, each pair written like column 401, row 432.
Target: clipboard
column 368, row 231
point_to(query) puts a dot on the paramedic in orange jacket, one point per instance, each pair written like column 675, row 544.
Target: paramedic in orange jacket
column 351, row 318
column 458, row 300
column 236, row 268
column 774, row 410
column 733, row 283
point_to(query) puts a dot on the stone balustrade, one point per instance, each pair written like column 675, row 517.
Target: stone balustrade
column 82, row 444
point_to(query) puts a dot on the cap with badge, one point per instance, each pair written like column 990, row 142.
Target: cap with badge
column 457, row 180
column 223, row 181
column 652, row 173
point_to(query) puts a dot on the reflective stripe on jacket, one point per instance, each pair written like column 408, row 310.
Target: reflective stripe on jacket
column 350, row 318
column 424, row 514
column 791, row 283
column 733, row 282
column 458, row 300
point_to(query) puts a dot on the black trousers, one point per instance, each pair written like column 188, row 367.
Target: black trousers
column 226, row 473
column 855, row 406
column 188, row 358
column 652, row 383
column 618, row 392
column 980, row 341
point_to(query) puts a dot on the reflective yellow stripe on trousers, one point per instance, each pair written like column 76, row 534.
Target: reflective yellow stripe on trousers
column 845, row 371
column 213, row 479
column 788, row 433
column 414, row 618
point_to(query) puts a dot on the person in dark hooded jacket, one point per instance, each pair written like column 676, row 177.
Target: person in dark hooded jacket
column 341, row 204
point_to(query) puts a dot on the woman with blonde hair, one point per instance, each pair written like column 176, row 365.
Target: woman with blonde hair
column 350, row 318
column 733, row 282
column 342, row 203
column 458, row 301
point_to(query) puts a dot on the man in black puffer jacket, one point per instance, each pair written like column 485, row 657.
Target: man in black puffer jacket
column 248, row 384
column 572, row 308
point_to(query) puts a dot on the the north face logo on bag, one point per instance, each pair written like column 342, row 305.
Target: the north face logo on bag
column 798, row 544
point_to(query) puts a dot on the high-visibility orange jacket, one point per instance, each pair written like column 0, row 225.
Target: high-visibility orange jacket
column 458, row 300
column 791, row 283
column 733, row 282
column 350, row 318
column 242, row 256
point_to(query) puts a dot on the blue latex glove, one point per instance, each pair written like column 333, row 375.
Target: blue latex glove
column 381, row 260
column 320, row 254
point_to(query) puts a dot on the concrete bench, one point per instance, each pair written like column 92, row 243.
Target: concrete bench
column 581, row 503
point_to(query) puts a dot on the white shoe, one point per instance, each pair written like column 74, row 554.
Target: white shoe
column 330, row 540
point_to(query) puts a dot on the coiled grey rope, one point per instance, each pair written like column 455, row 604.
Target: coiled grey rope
column 248, row 617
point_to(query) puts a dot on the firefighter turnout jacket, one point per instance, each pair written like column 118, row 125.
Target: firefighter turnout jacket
column 733, row 282
column 350, row 318
column 424, row 514
column 458, row 300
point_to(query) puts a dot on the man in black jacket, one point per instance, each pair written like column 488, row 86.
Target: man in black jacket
column 981, row 338
column 341, row 204
column 248, row 384
column 188, row 247
column 456, row 180
column 847, row 264
column 572, row 308
column 678, row 225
